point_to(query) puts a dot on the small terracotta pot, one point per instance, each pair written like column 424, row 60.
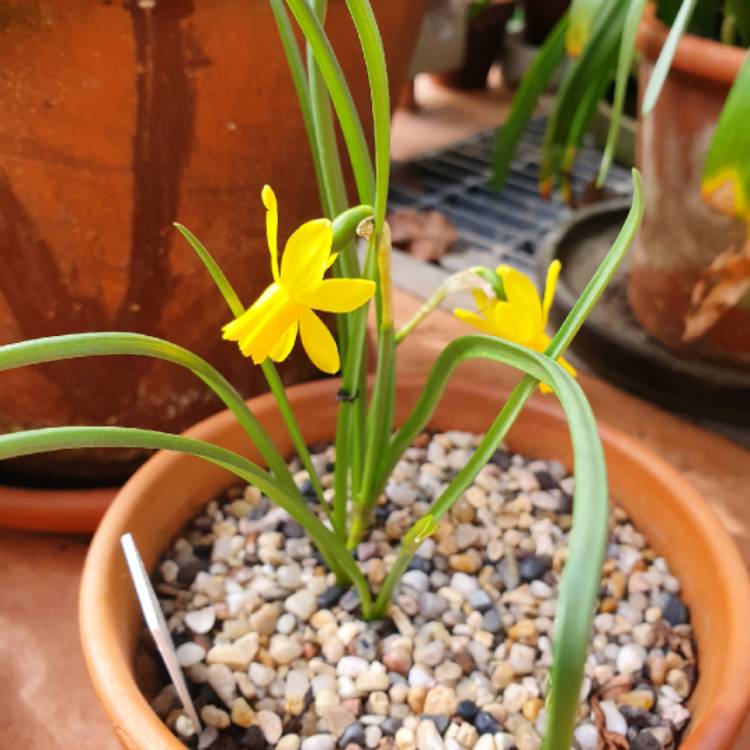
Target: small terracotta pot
column 169, row 489
column 681, row 234
column 117, row 120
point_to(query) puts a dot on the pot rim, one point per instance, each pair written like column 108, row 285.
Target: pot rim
column 700, row 58
column 139, row 728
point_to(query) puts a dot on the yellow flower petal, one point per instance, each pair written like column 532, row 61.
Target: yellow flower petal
column 339, row 295
column 549, row 289
column 272, row 227
column 476, row 321
column 481, row 300
column 259, row 329
column 513, row 323
column 305, row 256
column 522, row 294
column 286, row 343
column 319, row 343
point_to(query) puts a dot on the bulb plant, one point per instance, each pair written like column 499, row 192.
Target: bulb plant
column 319, row 271
column 595, row 43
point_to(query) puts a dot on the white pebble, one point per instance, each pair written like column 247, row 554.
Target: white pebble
column 201, row 620
column 631, row 659
column 615, row 720
column 190, row 653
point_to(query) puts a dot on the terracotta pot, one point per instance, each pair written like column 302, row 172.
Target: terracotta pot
column 681, row 234
column 117, row 121
column 165, row 493
column 484, row 42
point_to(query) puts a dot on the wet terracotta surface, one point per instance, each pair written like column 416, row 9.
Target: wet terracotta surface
column 117, row 121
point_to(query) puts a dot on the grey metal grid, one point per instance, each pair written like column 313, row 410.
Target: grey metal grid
column 494, row 227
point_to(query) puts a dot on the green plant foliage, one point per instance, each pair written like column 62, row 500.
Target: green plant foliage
column 535, row 82
column 582, row 15
column 740, row 10
column 624, row 66
column 582, row 87
column 726, row 179
column 664, row 63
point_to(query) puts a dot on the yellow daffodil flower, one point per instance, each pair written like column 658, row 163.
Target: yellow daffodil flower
column 269, row 328
column 522, row 316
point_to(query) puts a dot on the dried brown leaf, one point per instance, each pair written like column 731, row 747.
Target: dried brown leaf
column 721, row 287
column 427, row 235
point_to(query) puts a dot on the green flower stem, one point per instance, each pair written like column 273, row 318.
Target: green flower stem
column 72, row 346
column 379, row 420
column 300, row 445
column 341, row 96
column 349, row 421
column 380, row 415
column 324, row 144
column 562, row 339
column 269, row 369
column 579, row 587
column 64, row 438
column 299, row 79
column 345, row 226
column 457, row 282
column 377, row 72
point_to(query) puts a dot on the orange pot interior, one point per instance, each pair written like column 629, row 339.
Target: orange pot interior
column 168, row 490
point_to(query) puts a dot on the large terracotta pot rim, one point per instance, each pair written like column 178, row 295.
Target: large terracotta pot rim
column 102, row 613
column 695, row 56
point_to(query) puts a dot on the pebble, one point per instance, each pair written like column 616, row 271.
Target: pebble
column 521, row 658
column 270, row 725
column 615, row 721
column 301, row 605
column 319, row 742
column 533, row 567
column 631, row 659
column 201, row 620
column 190, row 653
column 462, row 661
column 428, row 737
column 284, row 649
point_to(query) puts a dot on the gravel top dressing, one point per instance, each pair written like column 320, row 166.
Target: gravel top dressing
column 276, row 655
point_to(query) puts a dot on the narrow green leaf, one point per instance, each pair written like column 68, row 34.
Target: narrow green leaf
column 299, row 79
column 624, row 67
column 582, row 15
column 664, row 62
column 341, row 96
column 535, row 82
column 31, row 442
column 72, row 346
column 581, row 578
column 585, row 80
column 726, row 178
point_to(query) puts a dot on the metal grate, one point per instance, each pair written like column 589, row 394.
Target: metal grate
column 494, row 227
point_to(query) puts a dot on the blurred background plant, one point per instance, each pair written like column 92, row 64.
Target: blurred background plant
column 690, row 272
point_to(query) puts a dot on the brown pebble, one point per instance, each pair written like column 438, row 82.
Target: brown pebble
column 657, row 669
column 524, row 631
column 608, row 604
column 415, row 698
column 467, row 562
column 309, row 649
column 617, row 584
column 532, row 708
